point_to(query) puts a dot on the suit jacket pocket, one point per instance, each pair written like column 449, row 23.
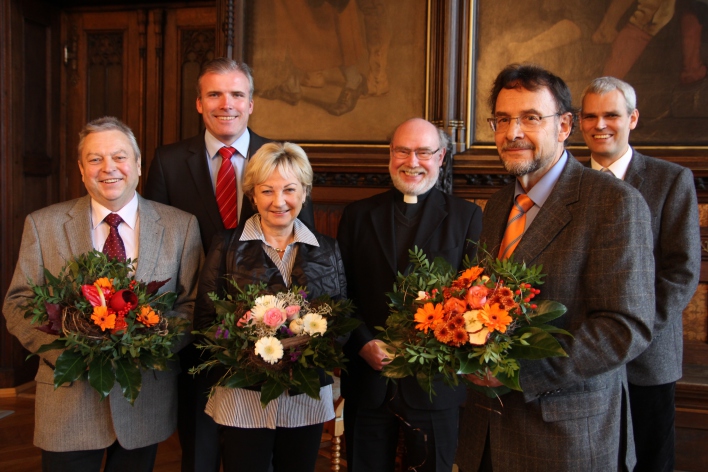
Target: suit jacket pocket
column 574, row 405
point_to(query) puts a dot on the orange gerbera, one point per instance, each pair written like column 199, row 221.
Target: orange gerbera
column 471, row 274
column 104, row 282
column 103, row 318
column 428, row 317
column 494, row 318
column 147, row 316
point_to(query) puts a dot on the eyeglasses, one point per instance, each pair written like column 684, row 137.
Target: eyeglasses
column 529, row 122
column 423, row 154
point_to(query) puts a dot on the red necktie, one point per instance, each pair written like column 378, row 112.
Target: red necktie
column 114, row 247
column 226, row 189
column 515, row 225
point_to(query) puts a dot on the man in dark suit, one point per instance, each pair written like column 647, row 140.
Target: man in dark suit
column 374, row 236
column 185, row 175
column 608, row 115
column 72, row 427
column 592, row 234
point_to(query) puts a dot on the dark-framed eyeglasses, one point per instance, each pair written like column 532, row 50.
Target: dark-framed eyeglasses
column 423, row 154
column 527, row 122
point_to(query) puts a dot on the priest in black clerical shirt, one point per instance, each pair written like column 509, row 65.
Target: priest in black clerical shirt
column 375, row 236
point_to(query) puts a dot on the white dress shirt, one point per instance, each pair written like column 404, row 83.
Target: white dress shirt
column 128, row 229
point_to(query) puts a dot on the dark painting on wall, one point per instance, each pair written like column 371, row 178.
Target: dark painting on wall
column 658, row 46
column 336, row 71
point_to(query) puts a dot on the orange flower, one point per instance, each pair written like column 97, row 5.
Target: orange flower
column 455, row 306
column 103, row 318
column 494, row 318
column 428, row 316
column 459, row 337
column 120, row 325
column 471, row 274
column 457, row 321
column 104, row 282
column 443, row 333
column 147, row 316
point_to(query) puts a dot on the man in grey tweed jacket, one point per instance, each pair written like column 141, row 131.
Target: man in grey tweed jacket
column 72, row 427
column 592, row 234
column 608, row 115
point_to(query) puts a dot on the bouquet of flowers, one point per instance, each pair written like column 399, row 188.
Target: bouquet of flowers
column 110, row 325
column 277, row 341
column 477, row 322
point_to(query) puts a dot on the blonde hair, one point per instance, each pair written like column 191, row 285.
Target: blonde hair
column 286, row 157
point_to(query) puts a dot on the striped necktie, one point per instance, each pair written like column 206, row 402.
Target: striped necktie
column 226, row 189
column 515, row 225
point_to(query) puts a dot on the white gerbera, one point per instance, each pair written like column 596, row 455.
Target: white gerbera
column 270, row 349
column 265, row 303
column 312, row 324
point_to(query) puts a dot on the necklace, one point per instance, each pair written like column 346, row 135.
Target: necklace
column 278, row 250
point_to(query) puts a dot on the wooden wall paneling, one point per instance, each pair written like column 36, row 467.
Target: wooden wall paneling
column 154, row 90
column 189, row 41
column 28, row 144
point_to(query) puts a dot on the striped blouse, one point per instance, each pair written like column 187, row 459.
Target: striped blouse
column 242, row 408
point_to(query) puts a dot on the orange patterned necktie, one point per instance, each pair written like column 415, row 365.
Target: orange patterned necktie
column 226, row 189
column 515, row 225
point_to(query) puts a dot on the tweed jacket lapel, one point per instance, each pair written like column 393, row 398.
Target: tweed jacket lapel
column 199, row 171
column 150, row 239
column 78, row 227
column 554, row 214
column 382, row 223
column 635, row 171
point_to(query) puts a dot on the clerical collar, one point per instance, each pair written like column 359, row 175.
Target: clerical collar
column 411, row 199
column 410, row 210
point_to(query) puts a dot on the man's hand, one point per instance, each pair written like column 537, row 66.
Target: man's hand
column 488, row 381
column 374, row 355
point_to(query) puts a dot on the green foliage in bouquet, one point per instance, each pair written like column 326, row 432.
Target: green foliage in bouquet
column 276, row 341
column 480, row 321
column 110, row 325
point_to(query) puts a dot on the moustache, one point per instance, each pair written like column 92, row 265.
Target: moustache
column 517, row 145
column 419, row 170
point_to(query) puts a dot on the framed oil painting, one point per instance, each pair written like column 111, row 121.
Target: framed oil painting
column 336, row 71
column 658, row 46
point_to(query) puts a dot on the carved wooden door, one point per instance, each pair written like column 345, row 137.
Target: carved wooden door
column 139, row 65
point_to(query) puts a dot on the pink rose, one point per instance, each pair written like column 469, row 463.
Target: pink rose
column 477, row 296
column 274, row 317
column 243, row 321
column 292, row 311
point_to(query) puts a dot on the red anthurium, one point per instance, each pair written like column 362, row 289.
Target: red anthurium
column 90, row 292
column 123, row 300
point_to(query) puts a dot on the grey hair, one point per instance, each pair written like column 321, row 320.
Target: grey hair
column 224, row 65
column 603, row 85
column 443, row 138
column 108, row 123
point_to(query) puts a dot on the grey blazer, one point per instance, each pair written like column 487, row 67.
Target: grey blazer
column 593, row 238
column 71, row 418
column 669, row 191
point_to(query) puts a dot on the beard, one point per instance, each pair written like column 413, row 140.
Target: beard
column 419, row 188
column 519, row 168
